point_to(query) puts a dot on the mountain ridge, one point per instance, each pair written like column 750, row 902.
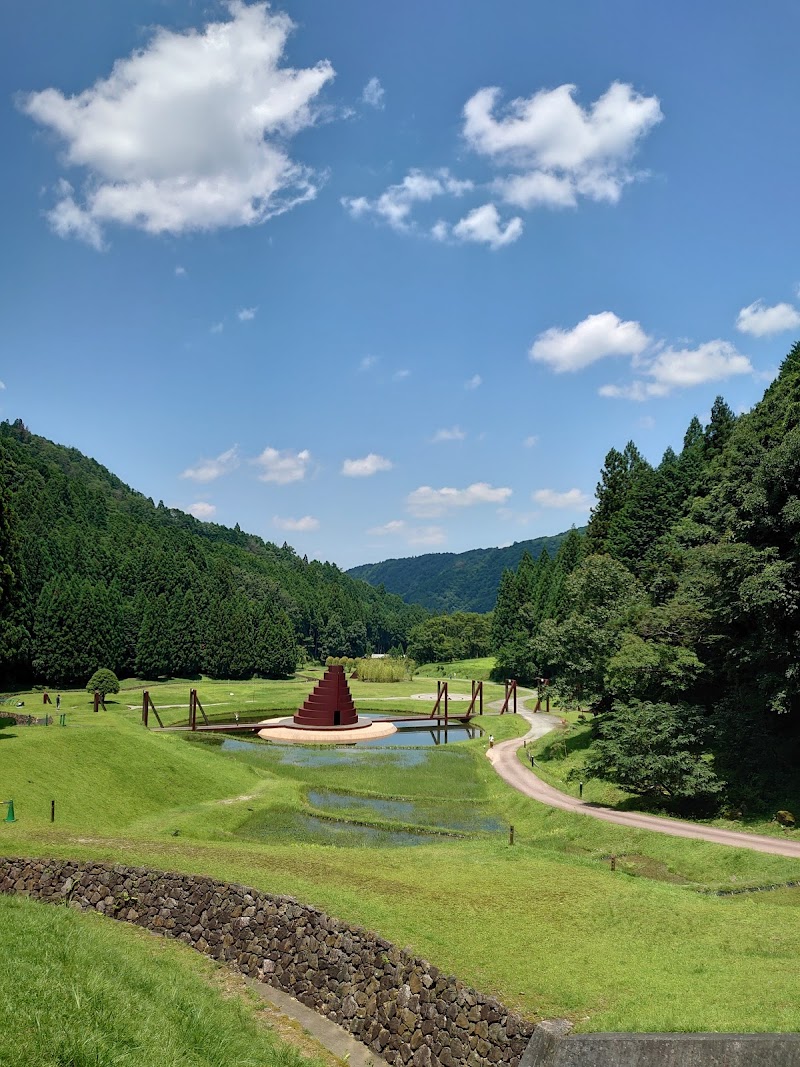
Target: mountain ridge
column 453, row 581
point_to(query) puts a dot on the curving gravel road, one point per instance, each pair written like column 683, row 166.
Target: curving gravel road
column 503, row 758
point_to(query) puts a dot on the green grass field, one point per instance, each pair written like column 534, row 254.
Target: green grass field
column 479, row 669
column 79, row 990
column 545, row 924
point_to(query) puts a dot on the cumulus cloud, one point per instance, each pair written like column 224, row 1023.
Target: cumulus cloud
column 307, row 523
column 412, row 535
column 395, row 206
column 396, row 526
column 363, row 468
column 373, row 94
column 570, row 500
column 760, row 321
column 2, row 385
column 202, row 510
column 483, row 226
column 368, row 362
column 189, row 133
column 401, row 375
column 282, row 467
column 208, row 470
column 596, row 337
column 673, row 369
column 426, row 535
column 560, row 150
column 475, row 382
column 427, row 502
column 246, row 314
column 454, row 433
column 218, row 327
column 530, row 441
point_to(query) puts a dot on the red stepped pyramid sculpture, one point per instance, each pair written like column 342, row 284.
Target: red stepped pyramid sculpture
column 329, row 716
column 330, row 704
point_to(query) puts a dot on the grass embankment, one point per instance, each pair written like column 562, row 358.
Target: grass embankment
column 479, row 669
column 544, row 924
column 78, row 990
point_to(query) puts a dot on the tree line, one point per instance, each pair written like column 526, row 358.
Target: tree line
column 93, row 574
column 675, row 618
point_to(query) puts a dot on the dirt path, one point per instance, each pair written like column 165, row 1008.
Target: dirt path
column 503, row 758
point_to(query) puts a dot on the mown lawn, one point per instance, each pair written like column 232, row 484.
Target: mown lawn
column 545, row 924
column 76, row 989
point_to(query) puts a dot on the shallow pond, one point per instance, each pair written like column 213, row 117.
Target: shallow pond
column 466, row 816
column 322, row 755
column 296, row 826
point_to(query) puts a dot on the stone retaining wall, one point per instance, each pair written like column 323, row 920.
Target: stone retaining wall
column 399, row 1005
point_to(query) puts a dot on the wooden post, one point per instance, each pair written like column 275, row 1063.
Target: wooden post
column 96, row 701
column 192, row 709
column 445, row 705
column 511, row 835
column 480, row 698
column 52, row 811
column 613, row 863
column 145, row 706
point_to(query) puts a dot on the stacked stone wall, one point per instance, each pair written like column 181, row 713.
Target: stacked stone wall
column 399, row 1005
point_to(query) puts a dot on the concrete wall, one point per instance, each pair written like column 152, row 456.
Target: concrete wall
column 400, row 1006
column 553, row 1046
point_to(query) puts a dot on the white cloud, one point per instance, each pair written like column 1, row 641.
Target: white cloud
column 69, row 219
column 684, row 368
column 427, row 502
column 180, row 271
column 646, row 422
column 202, row 510
column 529, row 442
column 396, row 526
column 396, row 204
column 596, row 337
column 570, row 500
column 401, row 375
column 368, row 362
column 426, row 535
column 207, row 470
column 482, row 226
column 454, row 433
column 363, row 468
column 188, row 133
column 475, row 382
column 537, row 189
column 282, row 467
column 561, row 150
column 2, row 385
column 218, row 327
column 246, row 314
column 304, row 525
column 373, row 94
column 758, row 320
column 412, row 535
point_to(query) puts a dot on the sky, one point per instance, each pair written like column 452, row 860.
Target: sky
column 380, row 280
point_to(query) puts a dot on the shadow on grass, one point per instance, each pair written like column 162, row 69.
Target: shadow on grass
column 562, row 745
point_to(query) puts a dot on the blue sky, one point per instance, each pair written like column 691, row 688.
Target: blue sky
column 387, row 279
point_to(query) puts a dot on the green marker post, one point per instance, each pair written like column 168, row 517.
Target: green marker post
column 10, row 816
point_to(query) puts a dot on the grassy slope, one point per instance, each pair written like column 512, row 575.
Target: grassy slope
column 544, row 924
column 80, row 990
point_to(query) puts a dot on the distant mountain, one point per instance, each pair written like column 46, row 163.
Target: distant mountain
column 453, row 581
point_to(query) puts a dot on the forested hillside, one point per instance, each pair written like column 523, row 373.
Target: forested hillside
column 449, row 581
column 678, row 621
column 94, row 574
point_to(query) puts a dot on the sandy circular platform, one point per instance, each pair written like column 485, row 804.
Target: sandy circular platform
column 284, row 731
